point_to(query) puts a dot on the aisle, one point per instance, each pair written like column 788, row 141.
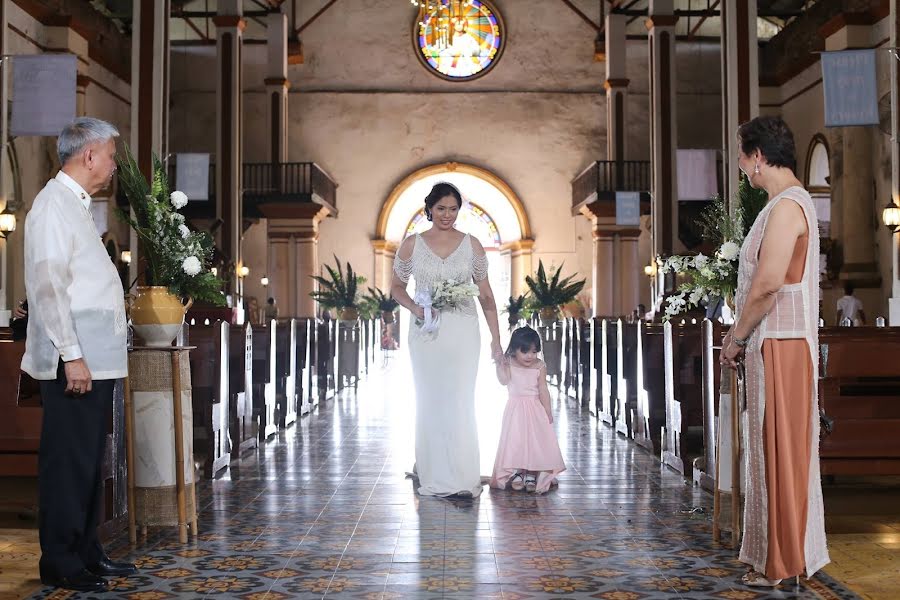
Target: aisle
column 326, row 511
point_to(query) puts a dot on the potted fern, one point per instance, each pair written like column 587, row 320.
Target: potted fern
column 515, row 308
column 386, row 304
column 339, row 291
column 549, row 293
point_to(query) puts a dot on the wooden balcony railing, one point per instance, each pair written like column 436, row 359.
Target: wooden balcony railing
column 604, row 178
column 270, row 182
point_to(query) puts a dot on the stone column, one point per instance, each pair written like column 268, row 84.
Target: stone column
column 663, row 130
column 894, row 301
column 229, row 155
column 629, row 270
column 603, row 275
column 616, row 88
column 385, row 252
column 740, row 82
column 149, row 93
column 81, row 84
column 858, row 188
column 277, row 85
column 521, row 265
column 293, row 257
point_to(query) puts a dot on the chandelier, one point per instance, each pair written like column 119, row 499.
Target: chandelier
column 444, row 11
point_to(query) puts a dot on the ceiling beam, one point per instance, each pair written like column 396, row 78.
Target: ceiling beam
column 313, row 18
column 584, row 17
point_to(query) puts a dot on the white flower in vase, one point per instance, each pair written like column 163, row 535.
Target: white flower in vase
column 184, row 231
column 178, row 199
column 700, row 261
column 729, row 251
column 191, row 265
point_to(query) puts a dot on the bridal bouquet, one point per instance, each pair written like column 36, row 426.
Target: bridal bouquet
column 447, row 294
column 710, row 277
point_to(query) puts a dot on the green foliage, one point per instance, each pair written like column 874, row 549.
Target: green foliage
column 550, row 292
column 175, row 256
column 340, row 290
column 719, row 225
column 384, row 302
column 515, row 306
column 368, row 308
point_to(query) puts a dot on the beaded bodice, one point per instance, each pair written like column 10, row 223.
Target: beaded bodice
column 427, row 268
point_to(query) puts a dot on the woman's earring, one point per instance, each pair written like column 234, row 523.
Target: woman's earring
column 756, row 169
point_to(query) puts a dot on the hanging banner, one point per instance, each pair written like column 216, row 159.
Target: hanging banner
column 628, row 208
column 43, row 94
column 697, row 174
column 851, row 94
column 192, row 175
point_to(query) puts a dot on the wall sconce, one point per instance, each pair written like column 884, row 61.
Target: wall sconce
column 891, row 216
column 125, row 257
column 243, row 271
column 650, row 270
column 7, row 223
column 264, row 281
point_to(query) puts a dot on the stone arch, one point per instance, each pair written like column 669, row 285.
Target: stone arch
column 485, row 190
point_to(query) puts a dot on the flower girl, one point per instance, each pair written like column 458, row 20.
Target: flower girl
column 528, row 456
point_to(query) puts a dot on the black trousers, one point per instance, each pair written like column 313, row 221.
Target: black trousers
column 73, row 441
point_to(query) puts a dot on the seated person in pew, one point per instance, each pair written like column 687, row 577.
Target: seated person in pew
column 528, row 455
column 850, row 307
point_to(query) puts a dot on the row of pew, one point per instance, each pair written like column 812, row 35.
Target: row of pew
column 659, row 385
column 248, row 382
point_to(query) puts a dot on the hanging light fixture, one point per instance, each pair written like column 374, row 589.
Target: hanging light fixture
column 7, row 223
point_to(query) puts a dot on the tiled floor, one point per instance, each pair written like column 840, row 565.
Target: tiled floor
column 325, row 510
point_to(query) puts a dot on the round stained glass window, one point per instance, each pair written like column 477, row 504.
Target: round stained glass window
column 460, row 40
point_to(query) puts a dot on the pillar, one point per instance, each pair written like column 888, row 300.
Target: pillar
column 629, row 270
column 521, row 265
column 149, row 93
column 894, row 302
column 385, row 252
column 277, row 85
column 293, row 257
column 603, row 276
column 740, row 82
column 229, row 156
column 616, row 89
column 81, row 84
column 663, row 130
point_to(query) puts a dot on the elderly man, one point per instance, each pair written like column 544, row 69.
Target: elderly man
column 76, row 348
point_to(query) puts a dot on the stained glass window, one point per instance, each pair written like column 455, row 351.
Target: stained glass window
column 460, row 39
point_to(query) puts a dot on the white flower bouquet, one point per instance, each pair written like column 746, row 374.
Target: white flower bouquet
column 711, row 277
column 447, row 294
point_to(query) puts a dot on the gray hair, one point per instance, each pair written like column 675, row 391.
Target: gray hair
column 80, row 133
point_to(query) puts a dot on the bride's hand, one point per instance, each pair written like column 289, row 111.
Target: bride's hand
column 496, row 351
column 419, row 312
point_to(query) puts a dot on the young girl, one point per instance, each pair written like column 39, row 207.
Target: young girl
column 528, row 455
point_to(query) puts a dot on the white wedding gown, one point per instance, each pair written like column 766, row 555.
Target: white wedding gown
column 444, row 369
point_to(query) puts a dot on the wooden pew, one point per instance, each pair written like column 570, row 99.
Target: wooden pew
column 650, row 408
column 20, row 432
column 310, row 377
column 348, row 348
column 683, row 395
column 209, row 382
column 326, row 370
column 240, row 386
column 607, row 373
column 20, row 414
column 592, row 367
column 704, row 466
column 859, row 389
column 552, row 344
column 286, row 373
column 264, row 378
column 626, row 378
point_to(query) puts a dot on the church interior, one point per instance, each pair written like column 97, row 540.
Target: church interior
column 588, row 138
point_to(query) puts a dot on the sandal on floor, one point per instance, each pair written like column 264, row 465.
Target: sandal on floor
column 530, row 484
column 517, row 482
column 755, row 579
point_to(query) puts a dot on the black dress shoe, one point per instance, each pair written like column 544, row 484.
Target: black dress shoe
column 108, row 568
column 82, row 581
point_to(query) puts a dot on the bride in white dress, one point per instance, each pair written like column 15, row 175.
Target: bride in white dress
column 445, row 365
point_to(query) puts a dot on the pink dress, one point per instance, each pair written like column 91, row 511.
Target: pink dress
column 527, row 439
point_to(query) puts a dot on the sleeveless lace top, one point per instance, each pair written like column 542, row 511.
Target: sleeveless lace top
column 427, row 268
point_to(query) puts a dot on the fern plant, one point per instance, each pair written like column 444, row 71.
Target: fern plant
column 384, row 302
column 552, row 292
column 340, row 290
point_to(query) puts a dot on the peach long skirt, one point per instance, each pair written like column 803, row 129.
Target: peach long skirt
column 786, row 443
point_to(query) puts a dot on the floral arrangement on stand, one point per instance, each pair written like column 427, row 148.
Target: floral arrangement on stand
column 384, row 303
column 517, row 308
column 340, row 291
column 547, row 294
column 713, row 277
column 176, row 260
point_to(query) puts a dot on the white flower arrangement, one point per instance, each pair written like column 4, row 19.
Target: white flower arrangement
column 178, row 199
column 192, row 266
column 450, row 294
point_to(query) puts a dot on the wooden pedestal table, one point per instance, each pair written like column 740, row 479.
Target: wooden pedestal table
column 161, row 479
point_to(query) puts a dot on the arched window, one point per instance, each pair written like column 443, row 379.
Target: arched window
column 818, row 181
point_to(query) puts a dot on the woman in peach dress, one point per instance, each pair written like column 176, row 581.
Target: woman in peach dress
column 777, row 331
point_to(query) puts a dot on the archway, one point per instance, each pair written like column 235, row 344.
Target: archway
column 818, row 182
column 492, row 212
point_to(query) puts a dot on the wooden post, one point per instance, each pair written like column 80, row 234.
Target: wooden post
column 129, row 461
column 179, row 447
